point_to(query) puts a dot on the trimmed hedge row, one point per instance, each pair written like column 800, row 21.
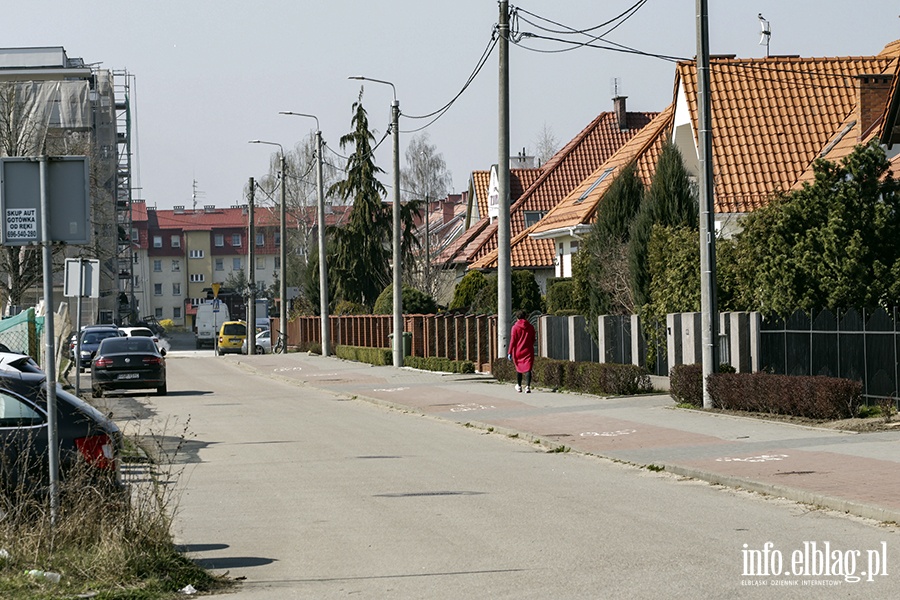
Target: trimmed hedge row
column 436, row 363
column 813, row 397
column 590, row 378
column 373, row 356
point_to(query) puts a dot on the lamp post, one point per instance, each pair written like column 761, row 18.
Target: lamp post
column 323, row 271
column 398, row 266
column 282, row 250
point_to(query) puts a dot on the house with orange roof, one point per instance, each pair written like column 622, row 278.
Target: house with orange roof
column 593, row 146
column 772, row 118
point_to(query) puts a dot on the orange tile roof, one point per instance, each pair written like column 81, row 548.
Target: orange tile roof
column 480, row 182
column 580, row 206
column 566, row 169
column 519, row 181
column 772, row 117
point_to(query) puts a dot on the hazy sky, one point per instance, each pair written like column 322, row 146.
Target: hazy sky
column 212, row 75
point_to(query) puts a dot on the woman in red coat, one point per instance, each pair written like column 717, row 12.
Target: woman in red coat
column 521, row 350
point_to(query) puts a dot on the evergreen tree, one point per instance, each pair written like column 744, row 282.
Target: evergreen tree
column 671, row 201
column 361, row 262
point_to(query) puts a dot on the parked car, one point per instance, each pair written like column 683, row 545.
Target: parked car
column 125, row 363
column 90, row 341
column 231, row 337
column 89, row 442
column 19, row 362
column 141, row 332
column 263, row 343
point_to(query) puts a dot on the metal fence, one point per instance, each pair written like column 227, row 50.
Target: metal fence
column 863, row 345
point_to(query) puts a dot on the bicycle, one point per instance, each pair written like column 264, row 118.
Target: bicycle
column 280, row 345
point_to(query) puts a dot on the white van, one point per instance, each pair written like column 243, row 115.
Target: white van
column 210, row 316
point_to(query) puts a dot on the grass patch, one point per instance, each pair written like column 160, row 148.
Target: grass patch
column 105, row 544
column 654, row 468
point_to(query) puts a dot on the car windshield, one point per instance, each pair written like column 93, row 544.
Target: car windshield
column 138, row 345
column 141, row 333
column 95, row 337
column 234, row 329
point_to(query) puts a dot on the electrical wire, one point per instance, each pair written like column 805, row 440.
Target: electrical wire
column 624, row 16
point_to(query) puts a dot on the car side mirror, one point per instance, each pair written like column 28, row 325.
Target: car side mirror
column 162, row 351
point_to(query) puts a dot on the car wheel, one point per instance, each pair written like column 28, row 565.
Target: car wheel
column 162, row 391
column 97, row 391
column 260, row 350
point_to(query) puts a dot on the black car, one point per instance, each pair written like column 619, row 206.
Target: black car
column 89, row 441
column 124, row 363
column 90, row 341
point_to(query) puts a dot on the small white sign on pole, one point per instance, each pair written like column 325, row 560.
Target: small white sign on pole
column 82, row 278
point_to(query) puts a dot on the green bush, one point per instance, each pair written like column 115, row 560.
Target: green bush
column 467, row 291
column 434, row 363
column 345, row 307
column 813, row 397
column 586, row 377
column 561, row 298
column 415, row 302
column 372, row 356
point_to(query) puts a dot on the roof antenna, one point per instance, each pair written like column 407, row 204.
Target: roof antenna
column 765, row 33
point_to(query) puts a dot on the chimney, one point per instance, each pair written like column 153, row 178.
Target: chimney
column 179, row 210
column 449, row 208
column 873, row 94
column 621, row 114
column 209, row 208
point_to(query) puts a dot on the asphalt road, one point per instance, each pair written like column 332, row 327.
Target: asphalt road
column 311, row 494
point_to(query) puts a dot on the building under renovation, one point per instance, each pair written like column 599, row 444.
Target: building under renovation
column 54, row 105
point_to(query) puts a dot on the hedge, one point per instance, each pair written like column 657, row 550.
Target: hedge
column 813, row 397
column 373, row 356
column 436, row 363
column 590, row 378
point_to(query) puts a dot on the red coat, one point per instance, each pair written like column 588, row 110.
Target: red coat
column 521, row 345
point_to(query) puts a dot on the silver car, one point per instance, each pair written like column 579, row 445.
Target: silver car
column 263, row 343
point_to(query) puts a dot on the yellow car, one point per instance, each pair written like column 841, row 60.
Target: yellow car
column 231, row 337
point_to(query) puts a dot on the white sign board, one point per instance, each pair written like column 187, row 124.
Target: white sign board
column 21, row 224
column 82, row 278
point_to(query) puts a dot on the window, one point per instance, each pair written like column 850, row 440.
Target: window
column 176, row 312
column 158, row 313
column 277, row 238
column 176, row 265
column 260, row 262
column 219, row 240
column 277, row 262
column 236, row 240
column 157, row 289
column 176, row 289
column 15, row 413
column 236, row 264
column 195, row 302
column 198, row 277
column 196, row 254
column 533, row 216
column 157, row 265
column 260, row 239
column 135, row 236
column 157, row 241
column 573, row 247
column 176, row 241
column 136, row 259
column 220, row 264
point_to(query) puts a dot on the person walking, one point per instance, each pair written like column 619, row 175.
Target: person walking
column 521, row 350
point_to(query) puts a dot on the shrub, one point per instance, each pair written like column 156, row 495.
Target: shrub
column 345, row 307
column 686, row 384
column 372, row 356
column 586, row 377
column 467, row 291
column 813, row 397
column 415, row 302
column 434, row 363
column 561, row 299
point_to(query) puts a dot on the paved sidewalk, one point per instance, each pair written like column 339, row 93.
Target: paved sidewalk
column 855, row 473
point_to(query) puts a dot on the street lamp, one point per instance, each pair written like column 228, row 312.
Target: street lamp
column 398, row 266
column 282, row 251
column 323, row 271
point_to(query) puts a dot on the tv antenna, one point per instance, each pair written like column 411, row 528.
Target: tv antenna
column 195, row 193
column 765, row 33
column 615, row 84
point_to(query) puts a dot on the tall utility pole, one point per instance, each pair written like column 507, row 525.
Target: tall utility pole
column 708, row 308
column 282, row 253
column 323, row 270
column 251, row 269
column 504, row 274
